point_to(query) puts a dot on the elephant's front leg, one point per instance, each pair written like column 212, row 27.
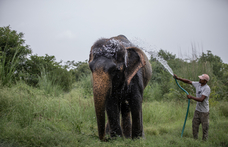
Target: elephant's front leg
column 113, row 112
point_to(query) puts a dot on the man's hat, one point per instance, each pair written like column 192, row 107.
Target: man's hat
column 204, row 77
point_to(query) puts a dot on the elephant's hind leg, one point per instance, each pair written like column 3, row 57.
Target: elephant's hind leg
column 107, row 129
column 136, row 114
column 126, row 119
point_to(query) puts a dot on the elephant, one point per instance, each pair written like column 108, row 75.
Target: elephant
column 120, row 73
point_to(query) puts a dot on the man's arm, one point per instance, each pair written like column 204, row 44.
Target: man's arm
column 183, row 80
column 198, row 99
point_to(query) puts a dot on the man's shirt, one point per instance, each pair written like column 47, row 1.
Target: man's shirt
column 202, row 90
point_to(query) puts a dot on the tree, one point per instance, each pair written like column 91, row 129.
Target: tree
column 14, row 53
column 166, row 55
column 78, row 69
column 33, row 66
column 215, row 61
column 160, row 75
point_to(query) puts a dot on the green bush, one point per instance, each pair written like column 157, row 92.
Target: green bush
column 152, row 92
column 190, row 69
column 63, row 78
column 56, row 81
column 48, row 116
column 13, row 54
column 147, row 93
column 30, row 117
column 85, row 84
column 78, row 69
column 224, row 109
column 47, row 84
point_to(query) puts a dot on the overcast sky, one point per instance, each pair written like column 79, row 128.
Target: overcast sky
column 68, row 28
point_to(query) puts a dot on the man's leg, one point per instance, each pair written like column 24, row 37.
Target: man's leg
column 205, row 124
column 195, row 124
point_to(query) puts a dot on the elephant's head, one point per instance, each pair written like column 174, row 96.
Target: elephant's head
column 113, row 63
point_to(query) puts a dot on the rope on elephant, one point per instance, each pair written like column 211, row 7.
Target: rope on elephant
column 187, row 107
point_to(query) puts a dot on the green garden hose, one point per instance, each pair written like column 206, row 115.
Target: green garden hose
column 187, row 108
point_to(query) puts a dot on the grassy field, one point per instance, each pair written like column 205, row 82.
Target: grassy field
column 31, row 117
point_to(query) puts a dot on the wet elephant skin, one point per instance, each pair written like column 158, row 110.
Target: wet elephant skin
column 120, row 73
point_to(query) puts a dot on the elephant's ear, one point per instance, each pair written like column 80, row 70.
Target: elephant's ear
column 134, row 60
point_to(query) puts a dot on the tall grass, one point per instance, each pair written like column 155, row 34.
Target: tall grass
column 152, row 92
column 31, row 117
column 47, row 84
column 55, row 82
column 7, row 69
column 85, row 85
column 1, row 66
column 46, row 116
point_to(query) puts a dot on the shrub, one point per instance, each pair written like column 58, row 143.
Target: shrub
column 224, row 109
column 152, row 92
column 47, row 84
column 63, row 78
column 13, row 54
column 85, row 84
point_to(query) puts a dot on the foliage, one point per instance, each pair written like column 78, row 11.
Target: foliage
column 85, row 84
column 30, row 117
column 7, row 70
column 45, row 70
column 215, row 61
column 15, row 65
column 13, row 54
column 12, row 42
column 63, row 78
column 52, row 104
column 190, row 69
column 34, row 65
column 46, row 83
column 1, row 60
column 152, row 92
column 37, row 111
column 161, row 79
column 78, row 69
column 166, row 55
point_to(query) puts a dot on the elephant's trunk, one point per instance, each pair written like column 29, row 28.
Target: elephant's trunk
column 102, row 86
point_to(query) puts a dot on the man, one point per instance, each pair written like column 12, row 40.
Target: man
column 201, row 114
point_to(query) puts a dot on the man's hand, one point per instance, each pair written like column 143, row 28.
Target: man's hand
column 175, row 77
column 183, row 80
column 198, row 99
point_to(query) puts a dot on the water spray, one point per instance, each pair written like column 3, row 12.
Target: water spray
column 149, row 49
